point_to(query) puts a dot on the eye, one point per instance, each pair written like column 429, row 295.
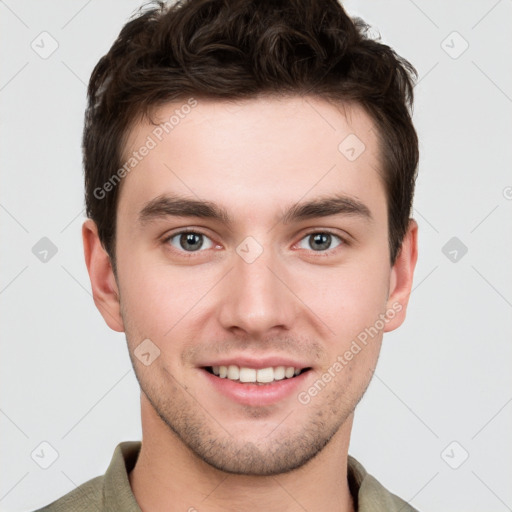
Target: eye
column 189, row 241
column 320, row 241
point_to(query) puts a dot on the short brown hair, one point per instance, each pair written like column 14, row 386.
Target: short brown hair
column 242, row 49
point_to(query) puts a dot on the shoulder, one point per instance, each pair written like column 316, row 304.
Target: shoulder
column 108, row 492
column 369, row 494
column 86, row 497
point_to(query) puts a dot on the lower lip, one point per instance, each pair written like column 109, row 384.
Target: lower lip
column 256, row 394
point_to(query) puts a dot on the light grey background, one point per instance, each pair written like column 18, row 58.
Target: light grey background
column 443, row 377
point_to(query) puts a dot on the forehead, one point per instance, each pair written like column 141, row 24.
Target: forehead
column 252, row 156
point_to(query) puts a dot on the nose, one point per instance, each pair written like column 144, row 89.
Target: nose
column 256, row 299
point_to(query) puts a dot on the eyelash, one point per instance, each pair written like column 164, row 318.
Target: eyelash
column 192, row 254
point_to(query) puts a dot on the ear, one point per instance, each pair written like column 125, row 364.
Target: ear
column 400, row 281
column 103, row 283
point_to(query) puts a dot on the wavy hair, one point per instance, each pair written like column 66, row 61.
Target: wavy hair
column 236, row 49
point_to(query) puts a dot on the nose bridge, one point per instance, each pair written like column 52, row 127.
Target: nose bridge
column 255, row 299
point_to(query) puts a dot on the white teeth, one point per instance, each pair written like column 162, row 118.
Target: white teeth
column 262, row 375
column 279, row 373
column 289, row 372
column 265, row 375
column 247, row 375
column 233, row 372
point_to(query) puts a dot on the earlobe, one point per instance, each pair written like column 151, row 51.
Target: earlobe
column 101, row 275
column 401, row 278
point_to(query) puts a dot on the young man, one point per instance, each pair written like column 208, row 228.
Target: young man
column 249, row 172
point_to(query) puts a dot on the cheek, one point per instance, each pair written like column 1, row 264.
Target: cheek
column 158, row 298
column 348, row 299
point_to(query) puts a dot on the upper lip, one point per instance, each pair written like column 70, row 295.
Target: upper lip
column 257, row 362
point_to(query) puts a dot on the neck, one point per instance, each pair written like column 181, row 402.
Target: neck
column 169, row 477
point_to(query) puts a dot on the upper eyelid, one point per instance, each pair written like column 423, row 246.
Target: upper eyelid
column 344, row 239
column 197, row 231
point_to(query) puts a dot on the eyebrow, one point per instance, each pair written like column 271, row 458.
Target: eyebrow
column 177, row 206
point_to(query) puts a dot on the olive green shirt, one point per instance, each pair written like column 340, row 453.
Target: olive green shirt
column 111, row 492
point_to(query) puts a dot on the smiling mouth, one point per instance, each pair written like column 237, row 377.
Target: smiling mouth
column 262, row 376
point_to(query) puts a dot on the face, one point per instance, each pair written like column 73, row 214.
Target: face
column 281, row 279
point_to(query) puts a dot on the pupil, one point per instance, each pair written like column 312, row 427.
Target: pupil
column 190, row 241
column 322, row 239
